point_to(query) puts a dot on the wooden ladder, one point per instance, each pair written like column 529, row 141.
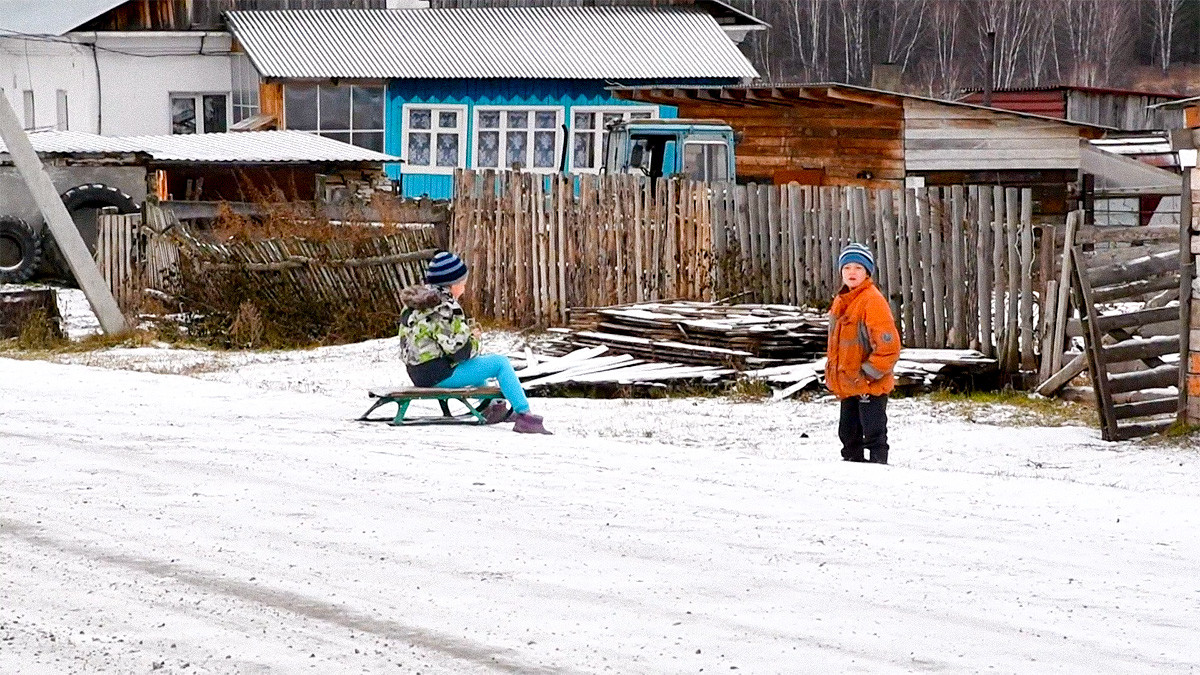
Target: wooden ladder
column 1118, row 281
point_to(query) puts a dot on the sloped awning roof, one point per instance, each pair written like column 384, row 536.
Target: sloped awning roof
column 588, row 43
column 1122, row 176
column 50, row 17
column 246, row 147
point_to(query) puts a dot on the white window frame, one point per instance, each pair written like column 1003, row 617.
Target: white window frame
column 559, row 111
column 198, row 101
column 434, row 130
column 598, row 133
column 707, row 143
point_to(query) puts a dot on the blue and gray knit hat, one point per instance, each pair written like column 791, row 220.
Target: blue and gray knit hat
column 445, row 269
column 857, row 253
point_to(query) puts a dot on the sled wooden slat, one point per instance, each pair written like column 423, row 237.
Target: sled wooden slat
column 404, row 396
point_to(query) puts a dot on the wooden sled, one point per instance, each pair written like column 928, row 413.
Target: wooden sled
column 481, row 397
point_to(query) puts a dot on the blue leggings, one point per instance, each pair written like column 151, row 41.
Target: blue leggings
column 475, row 372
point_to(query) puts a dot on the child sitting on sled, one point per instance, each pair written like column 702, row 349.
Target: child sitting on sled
column 440, row 346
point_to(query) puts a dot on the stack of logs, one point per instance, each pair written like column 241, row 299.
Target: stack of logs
column 652, row 344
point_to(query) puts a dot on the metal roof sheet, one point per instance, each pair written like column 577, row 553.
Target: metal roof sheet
column 248, row 147
column 590, row 43
column 42, row 17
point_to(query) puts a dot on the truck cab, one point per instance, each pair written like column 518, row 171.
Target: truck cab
column 694, row 149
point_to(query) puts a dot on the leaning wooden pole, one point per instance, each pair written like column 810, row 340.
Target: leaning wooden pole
column 95, row 289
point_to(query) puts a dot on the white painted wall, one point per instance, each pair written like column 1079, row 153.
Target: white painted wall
column 138, row 72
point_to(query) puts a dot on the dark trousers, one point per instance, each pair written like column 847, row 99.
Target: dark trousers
column 863, row 427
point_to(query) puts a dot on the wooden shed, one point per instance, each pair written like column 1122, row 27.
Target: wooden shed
column 1121, row 108
column 837, row 134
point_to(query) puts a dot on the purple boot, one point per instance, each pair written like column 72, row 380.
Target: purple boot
column 496, row 412
column 528, row 423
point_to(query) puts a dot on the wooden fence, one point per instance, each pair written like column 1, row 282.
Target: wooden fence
column 543, row 244
column 538, row 245
column 119, row 248
column 366, row 267
column 958, row 264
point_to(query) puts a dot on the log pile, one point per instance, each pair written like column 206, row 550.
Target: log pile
column 670, row 343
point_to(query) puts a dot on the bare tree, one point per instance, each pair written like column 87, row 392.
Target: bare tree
column 1043, row 61
column 1162, row 17
column 901, row 22
column 1012, row 21
column 856, row 31
column 811, row 28
column 1115, row 34
column 1081, row 24
column 944, row 74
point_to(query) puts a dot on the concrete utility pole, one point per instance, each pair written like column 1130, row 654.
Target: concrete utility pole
column 59, row 220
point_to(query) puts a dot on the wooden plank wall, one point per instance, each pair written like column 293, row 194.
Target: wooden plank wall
column 957, row 263
column 538, row 245
column 854, row 144
column 118, row 254
column 953, row 138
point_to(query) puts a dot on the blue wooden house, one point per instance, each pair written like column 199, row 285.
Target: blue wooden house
column 477, row 88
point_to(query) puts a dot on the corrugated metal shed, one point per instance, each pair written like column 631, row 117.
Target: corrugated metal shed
column 592, row 43
column 46, row 17
column 248, row 147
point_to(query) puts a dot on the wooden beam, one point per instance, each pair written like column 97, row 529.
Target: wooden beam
column 863, row 98
column 62, row 227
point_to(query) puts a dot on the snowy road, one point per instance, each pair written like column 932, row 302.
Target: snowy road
column 242, row 524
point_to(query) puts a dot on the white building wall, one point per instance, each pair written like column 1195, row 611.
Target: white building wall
column 117, row 83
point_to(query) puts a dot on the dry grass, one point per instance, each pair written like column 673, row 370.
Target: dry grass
column 1034, row 410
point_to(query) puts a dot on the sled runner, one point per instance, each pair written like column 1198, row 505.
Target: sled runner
column 475, row 399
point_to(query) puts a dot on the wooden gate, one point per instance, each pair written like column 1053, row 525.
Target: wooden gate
column 1131, row 403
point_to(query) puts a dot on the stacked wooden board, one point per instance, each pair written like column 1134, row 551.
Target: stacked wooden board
column 673, row 343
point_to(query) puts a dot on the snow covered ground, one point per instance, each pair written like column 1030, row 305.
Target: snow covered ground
column 179, row 511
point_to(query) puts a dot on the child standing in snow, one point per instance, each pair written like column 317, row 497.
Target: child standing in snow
column 439, row 344
column 864, row 346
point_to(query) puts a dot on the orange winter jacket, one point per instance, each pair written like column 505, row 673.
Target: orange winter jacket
column 863, row 343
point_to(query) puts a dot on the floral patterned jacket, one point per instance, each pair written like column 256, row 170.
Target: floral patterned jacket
column 435, row 334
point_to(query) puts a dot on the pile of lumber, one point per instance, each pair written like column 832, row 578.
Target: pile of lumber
column 657, row 345
column 702, row 333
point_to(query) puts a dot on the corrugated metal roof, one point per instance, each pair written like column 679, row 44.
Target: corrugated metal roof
column 46, row 17
column 249, row 147
column 589, row 43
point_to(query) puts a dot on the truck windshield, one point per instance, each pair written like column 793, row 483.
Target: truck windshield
column 705, row 161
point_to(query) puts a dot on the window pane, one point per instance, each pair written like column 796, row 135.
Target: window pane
column 515, row 145
column 216, row 117
column 371, row 140
column 489, row 119
column 448, row 120
column 718, row 163
column 640, row 116
column 368, row 107
column 693, row 161
column 584, row 151
column 335, row 107
column 300, row 106
column 518, row 119
column 610, row 118
column 489, row 148
column 447, row 149
column 543, row 149
column 545, row 119
column 585, row 120
column 183, row 115
column 342, row 136
column 419, row 118
column 418, row 149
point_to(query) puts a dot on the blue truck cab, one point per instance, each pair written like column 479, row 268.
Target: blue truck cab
column 694, row 149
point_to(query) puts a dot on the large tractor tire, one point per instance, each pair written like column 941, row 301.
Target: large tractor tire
column 84, row 202
column 20, row 250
